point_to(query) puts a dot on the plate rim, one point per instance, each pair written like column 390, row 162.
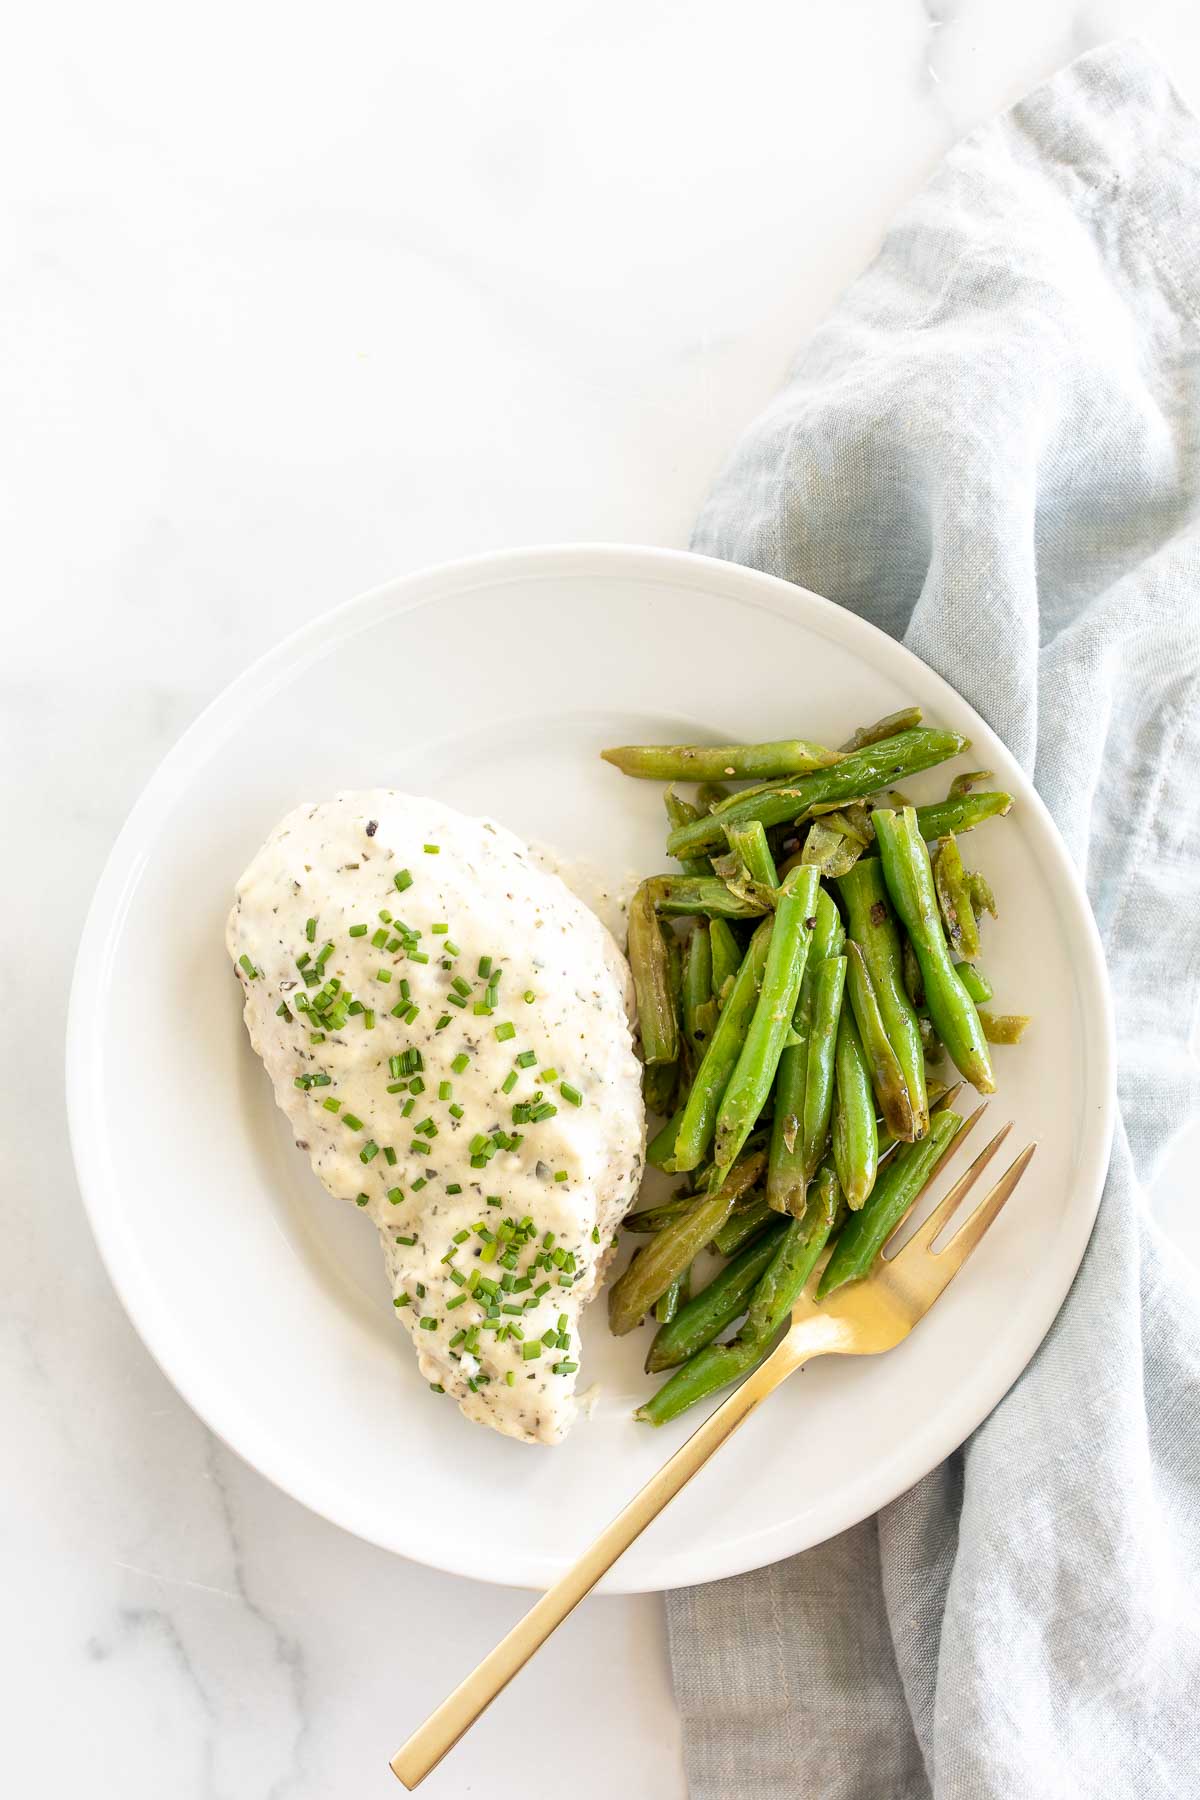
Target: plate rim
column 129, row 853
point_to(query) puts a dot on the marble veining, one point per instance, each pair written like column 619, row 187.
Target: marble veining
column 287, row 311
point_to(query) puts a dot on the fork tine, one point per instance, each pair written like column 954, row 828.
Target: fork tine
column 969, row 1233
column 963, row 1131
column 944, row 1211
column 948, row 1098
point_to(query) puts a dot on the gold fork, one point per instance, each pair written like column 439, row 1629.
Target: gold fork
column 860, row 1319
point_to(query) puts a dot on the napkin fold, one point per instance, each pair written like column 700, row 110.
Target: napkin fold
column 992, row 450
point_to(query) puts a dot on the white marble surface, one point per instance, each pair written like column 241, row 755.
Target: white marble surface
column 292, row 303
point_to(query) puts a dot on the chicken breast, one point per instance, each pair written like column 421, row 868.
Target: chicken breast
column 447, row 1028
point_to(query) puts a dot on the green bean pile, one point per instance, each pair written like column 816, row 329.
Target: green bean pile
column 793, row 1031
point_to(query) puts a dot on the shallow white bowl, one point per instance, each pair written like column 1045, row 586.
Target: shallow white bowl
column 493, row 684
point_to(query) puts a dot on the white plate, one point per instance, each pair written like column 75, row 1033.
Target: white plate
column 492, row 684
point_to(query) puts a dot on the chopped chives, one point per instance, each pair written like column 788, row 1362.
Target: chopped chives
column 456, row 1111
column 394, row 1066
column 401, row 880
column 397, row 1087
column 461, row 1061
column 560, row 1174
column 481, row 1009
column 526, row 1059
column 396, row 1195
column 419, row 1147
column 401, row 1299
column 408, row 1241
column 331, row 1105
column 485, row 967
column 369, row 1019
column 352, row 1121
column 455, row 1000
column 324, row 953
column 509, row 1082
column 389, row 1155
column 431, row 849
column 460, row 986
column 419, row 1183
column 428, row 1323
column 442, row 1022
column 505, row 1030
column 530, row 1351
column 570, row 1094
column 362, row 1200
column 445, row 1090
column 315, row 1037
column 453, row 949
column 358, row 930
column 251, row 972
column 440, row 930
column 385, row 915
column 564, row 1367
column 379, row 938
column 454, row 1187
column 369, row 1151
column 310, row 930
column 547, row 1074
column 417, row 956
column 406, row 1109
column 458, row 1300
column 530, row 996
column 416, row 1085
column 383, row 974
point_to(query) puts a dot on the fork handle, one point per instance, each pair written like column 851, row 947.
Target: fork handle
column 455, row 1716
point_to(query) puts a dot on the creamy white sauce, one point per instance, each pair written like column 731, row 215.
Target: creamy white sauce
column 539, row 1214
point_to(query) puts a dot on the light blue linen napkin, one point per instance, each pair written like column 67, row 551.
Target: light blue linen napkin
column 992, row 450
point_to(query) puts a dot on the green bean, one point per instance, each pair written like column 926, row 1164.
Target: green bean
column 682, row 812
column 1004, row 1028
column 832, row 851
column 909, row 876
column 855, row 1143
column 710, row 762
column 962, row 812
column 658, row 1087
column 661, row 1147
column 726, row 957
column 754, row 1072
column 912, row 976
column 828, row 985
column 711, row 794
column 697, row 990
column 667, row 1304
column 657, row 1218
column 887, row 1077
column 904, row 720
column 786, row 1180
column 798, row 1249
column 865, row 772
column 886, row 1140
column 706, row 1315
column 872, row 925
column 695, row 1130
column 954, row 897
column 962, row 784
column 672, row 1249
column 975, row 982
column 683, row 895
column 900, row 1181
column 649, row 958
column 743, row 1223
column 982, row 898
column 749, row 845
